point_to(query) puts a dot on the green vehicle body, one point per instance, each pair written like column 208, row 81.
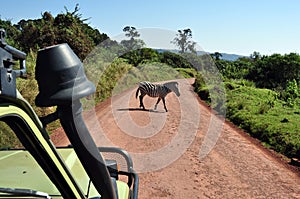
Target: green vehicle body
column 41, row 170
column 27, row 174
column 18, row 169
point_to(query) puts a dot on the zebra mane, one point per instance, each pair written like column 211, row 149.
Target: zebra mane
column 170, row 84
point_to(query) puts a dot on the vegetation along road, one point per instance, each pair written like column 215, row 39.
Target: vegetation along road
column 236, row 167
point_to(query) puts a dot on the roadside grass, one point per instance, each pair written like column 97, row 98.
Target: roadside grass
column 187, row 72
column 260, row 113
column 263, row 116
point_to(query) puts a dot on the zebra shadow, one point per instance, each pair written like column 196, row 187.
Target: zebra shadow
column 140, row 109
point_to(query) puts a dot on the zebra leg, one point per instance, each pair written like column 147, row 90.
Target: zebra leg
column 156, row 103
column 163, row 99
column 141, row 102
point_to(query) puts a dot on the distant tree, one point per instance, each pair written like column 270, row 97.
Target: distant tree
column 255, row 56
column 131, row 32
column 133, row 42
column 184, row 42
column 217, row 55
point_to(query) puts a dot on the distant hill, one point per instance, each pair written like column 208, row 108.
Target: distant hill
column 225, row 56
column 230, row 57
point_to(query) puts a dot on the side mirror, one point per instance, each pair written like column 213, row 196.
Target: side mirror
column 60, row 76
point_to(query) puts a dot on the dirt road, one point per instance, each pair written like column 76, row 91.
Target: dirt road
column 168, row 150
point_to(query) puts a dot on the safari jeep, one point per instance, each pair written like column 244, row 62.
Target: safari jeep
column 38, row 169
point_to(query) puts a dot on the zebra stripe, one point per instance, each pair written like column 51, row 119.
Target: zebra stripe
column 156, row 90
column 153, row 90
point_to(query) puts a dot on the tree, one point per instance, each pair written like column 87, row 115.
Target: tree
column 175, row 60
column 133, row 43
column 184, row 42
column 68, row 27
column 140, row 56
column 275, row 71
column 255, row 56
column 217, row 56
column 12, row 32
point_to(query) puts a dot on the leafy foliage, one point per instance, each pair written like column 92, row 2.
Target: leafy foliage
column 238, row 69
column 175, row 60
column 11, row 33
column 34, row 34
column 133, row 43
column 291, row 94
column 275, row 71
column 140, row 56
column 184, row 42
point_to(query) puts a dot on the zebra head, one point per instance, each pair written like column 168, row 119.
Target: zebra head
column 174, row 87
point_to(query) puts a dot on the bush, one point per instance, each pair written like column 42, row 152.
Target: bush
column 291, row 94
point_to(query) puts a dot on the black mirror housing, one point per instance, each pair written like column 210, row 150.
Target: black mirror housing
column 60, row 76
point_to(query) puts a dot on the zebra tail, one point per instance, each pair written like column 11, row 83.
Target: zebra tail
column 137, row 92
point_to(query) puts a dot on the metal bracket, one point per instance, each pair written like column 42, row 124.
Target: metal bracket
column 8, row 83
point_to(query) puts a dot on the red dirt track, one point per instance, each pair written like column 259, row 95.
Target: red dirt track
column 236, row 167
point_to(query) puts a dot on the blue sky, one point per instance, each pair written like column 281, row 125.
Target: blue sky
column 230, row 26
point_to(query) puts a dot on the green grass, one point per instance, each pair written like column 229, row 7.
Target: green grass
column 7, row 138
column 187, row 72
column 263, row 116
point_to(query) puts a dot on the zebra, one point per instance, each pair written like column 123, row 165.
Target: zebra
column 156, row 90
